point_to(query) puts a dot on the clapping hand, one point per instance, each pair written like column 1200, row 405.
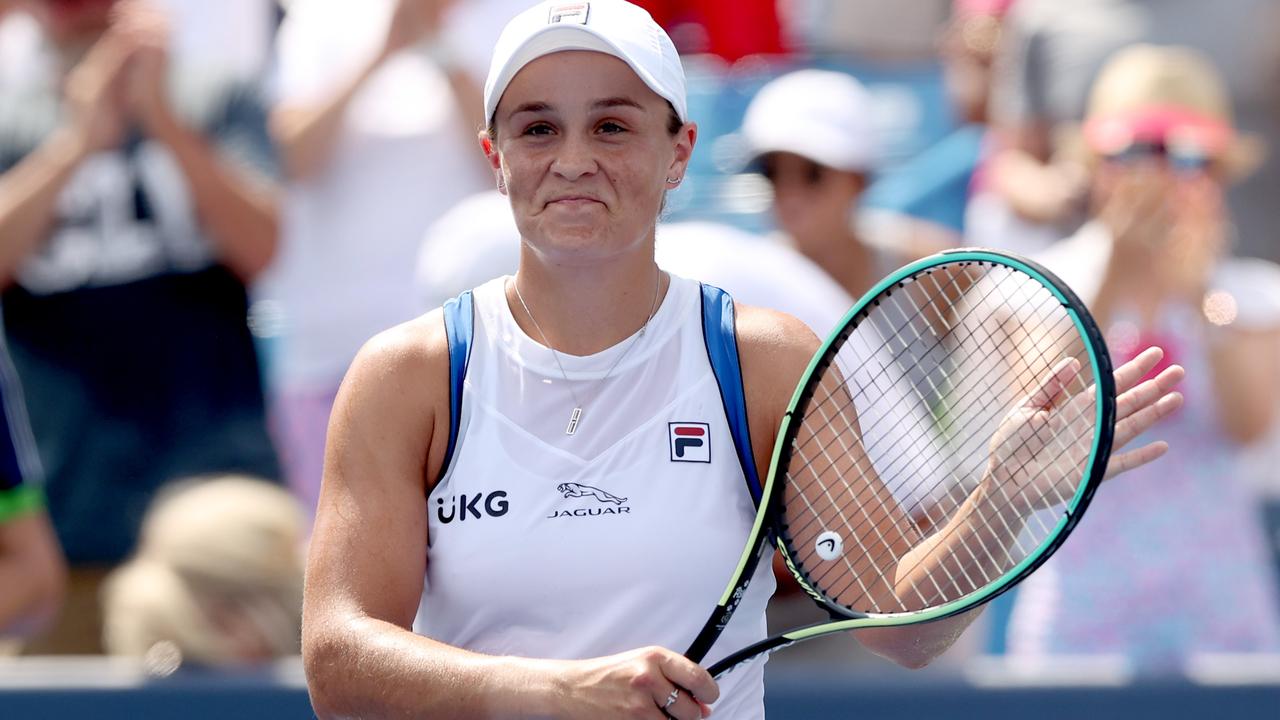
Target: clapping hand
column 1032, row 465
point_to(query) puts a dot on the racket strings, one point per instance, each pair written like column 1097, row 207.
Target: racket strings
column 874, row 558
column 969, row 578
column 863, row 391
column 1055, row 478
column 848, row 401
column 944, row 429
column 972, row 556
column 864, row 509
column 845, row 416
column 979, row 340
column 973, row 560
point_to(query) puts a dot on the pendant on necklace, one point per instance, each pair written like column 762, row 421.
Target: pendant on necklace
column 573, row 421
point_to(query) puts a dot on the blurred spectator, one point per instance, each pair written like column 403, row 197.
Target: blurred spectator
column 729, row 29
column 32, row 571
column 946, row 182
column 216, row 580
column 228, row 37
column 1195, row 576
column 470, row 30
column 477, row 240
column 871, row 29
column 1050, row 58
column 810, row 133
column 133, row 210
column 371, row 122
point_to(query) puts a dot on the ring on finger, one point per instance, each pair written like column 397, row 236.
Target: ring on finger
column 671, row 699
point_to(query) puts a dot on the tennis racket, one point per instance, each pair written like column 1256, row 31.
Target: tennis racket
column 943, row 442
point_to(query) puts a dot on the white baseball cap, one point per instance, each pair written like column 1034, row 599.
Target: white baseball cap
column 821, row 115
column 613, row 27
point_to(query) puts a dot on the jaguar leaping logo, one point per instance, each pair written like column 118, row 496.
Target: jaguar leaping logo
column 574, row 490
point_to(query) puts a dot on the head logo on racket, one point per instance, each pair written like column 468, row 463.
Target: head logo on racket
column 829, row 545
column 963, row 395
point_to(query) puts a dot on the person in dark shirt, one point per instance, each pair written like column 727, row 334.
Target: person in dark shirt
column 32, row 570
column 135, row 206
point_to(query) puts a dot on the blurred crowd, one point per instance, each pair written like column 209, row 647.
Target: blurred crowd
column 207, row 207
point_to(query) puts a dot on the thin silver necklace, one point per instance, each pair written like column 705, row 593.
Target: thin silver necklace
column 575, row 418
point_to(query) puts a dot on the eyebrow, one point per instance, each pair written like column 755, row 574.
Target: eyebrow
column 616, row 102
column 531, row 107
column 612, row 102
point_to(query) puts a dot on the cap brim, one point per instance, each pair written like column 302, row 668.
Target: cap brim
column 561, row 38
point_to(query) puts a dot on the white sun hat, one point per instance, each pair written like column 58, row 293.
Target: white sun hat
column 613, row 27
column 825, row 116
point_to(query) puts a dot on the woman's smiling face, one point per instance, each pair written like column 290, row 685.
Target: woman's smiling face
column 584, row 150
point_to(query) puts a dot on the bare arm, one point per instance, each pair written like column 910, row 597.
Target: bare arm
column 29, row 195
column 29, row 191
column 901, row 568
column 368, row 557
column 235, row 208
column 1037, row 189
column 368, row 551
column 307, row 132
column 1245, row 366
column 776, row 350
column 1023, row 171
column 32, row 573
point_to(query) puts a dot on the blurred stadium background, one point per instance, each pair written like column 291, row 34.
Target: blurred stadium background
column 893, row 49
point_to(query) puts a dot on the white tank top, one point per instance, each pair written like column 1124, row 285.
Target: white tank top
column 621, row 536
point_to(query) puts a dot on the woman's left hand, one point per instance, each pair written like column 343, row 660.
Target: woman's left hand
column 1028, row 460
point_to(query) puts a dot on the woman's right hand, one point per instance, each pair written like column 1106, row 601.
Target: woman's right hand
column 636, row 684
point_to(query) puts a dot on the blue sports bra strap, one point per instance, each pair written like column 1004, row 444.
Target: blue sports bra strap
column 722, row 351
column 459, row 323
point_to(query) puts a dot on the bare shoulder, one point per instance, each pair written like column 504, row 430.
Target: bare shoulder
column 773, row 338
column 396, row 392
column 383, row 450
column 409, row 347
column 774, row 349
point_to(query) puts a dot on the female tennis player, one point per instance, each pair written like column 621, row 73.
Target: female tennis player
column 533, row 496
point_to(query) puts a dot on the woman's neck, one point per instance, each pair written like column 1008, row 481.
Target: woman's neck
column 845, row 259
column 582, row 310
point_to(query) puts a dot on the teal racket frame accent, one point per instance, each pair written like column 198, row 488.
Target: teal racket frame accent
column 842, row 618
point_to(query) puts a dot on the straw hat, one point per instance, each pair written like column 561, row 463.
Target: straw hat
column 1169, row 95
column 213, row 554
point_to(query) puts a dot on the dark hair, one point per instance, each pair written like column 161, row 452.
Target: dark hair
column 674, row 123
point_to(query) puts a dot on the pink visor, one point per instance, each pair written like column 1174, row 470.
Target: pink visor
column 1169, row 125
column 994, row 8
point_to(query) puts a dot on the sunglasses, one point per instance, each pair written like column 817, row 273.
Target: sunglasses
column 1183, row 159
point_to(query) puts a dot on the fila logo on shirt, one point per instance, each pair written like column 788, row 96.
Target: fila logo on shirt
column 690, row 442
column 460, row 507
